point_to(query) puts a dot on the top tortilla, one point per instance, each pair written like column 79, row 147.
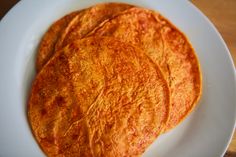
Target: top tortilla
column 98, row 97
column 74, row 26
column 167, row 47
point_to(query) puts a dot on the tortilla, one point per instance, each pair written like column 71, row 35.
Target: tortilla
column 48, row 42
column 167, row 47
column 81, row 26
column 75, row 26
column 98, row 96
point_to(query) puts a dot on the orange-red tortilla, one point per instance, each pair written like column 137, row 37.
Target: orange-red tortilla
column 49, row 40
column 98, row 97
column 166, row 46
column 75, row 26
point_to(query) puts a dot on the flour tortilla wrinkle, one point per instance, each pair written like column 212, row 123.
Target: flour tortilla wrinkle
column 167, row 47
column 98, row 97
column 74, row 26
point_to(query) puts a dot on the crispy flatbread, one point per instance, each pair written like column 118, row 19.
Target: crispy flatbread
column 167, row 47
column 75, row 26
column 99, row 97
column 48, row 42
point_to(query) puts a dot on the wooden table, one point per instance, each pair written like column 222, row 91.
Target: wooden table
column 223, row 15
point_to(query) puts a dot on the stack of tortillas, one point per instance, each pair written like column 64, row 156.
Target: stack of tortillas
column 111, row 78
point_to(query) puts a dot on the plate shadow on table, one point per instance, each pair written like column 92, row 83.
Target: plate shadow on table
column 230, row 154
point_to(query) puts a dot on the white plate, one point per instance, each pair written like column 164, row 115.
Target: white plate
column 205, row 133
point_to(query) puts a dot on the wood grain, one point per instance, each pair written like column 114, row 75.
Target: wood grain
column 222, row 14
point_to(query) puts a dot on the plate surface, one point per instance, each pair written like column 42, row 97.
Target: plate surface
column 206, row 132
